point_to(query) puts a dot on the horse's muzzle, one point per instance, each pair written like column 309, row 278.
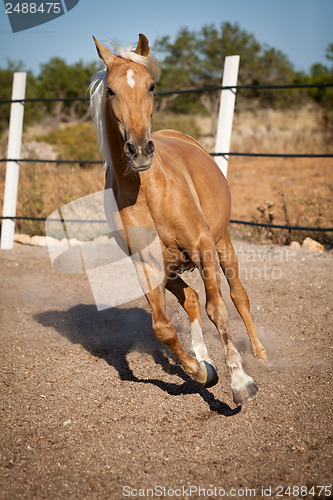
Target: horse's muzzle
column 140, row 156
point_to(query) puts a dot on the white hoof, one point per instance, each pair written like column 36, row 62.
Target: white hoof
column 242, row 385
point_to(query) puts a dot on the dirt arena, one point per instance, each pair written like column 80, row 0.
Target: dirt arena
column 94, row 407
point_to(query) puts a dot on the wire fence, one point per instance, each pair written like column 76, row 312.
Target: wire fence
column 101, row 162
column 183, row 91
column 233, row 221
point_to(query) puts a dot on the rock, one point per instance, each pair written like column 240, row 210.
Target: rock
column 74, row 241
column 312, row 246
column 33, row 149
column 294, row 245
column 103, row 239
column 52, row 241
column 21, row 239
column 38, row 241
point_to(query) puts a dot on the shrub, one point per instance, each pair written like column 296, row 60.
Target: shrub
column 75, row 142
column 184, row 123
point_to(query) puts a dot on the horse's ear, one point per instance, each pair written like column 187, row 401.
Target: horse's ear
column 104, row 53
column 143, row 46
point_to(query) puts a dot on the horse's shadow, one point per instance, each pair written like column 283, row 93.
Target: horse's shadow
column 113, row 333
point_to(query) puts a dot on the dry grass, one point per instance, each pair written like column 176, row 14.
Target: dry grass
column 282, row 191
column 271, row 131
column 299, row 190
column 44, row 187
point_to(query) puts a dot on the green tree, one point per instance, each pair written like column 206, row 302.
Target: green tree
column 57, row 79
column 321, row 74
column 329, row 52
column 6, row 83
column 179, row 70
column 195, row 59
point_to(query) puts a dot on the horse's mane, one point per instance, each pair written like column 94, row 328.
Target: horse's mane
column 97, row 91
column 150, row 61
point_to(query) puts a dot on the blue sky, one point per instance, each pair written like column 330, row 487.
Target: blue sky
column 302, row 29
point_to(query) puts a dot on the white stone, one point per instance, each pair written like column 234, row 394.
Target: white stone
column 312, row 245
column 38, row 241
column 23, row 239
column 294, row 245
column 103, row 239
column 52, row 241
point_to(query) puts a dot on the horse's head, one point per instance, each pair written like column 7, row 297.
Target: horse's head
column 130, row 85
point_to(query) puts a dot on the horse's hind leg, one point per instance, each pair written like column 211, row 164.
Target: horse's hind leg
column 189, row 300
column 229, row 264
column 206, row 259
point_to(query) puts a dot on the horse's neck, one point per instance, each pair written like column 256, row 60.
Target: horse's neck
column 125, row 184
column 115, row 144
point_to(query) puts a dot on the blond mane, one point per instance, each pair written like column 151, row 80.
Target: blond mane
column 150, row 62
column 97, row 91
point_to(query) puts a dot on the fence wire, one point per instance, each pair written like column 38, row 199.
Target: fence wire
column 100, row 162
column 183, row 91
column 232, row 221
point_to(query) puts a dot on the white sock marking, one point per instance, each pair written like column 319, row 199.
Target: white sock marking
column 130, row 78
column 198, row 344
column 239, row 379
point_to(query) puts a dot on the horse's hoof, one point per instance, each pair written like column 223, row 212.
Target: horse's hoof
column 212, row 376
column 245, row 394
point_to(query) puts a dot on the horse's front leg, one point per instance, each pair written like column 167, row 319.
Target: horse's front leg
column 189, row 300
column 166, row 333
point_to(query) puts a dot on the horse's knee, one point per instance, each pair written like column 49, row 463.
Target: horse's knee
column 164, row 331
column 217, row 311
column 239, row 296
column 191, row 296
column 238, row 292
column 192, row 304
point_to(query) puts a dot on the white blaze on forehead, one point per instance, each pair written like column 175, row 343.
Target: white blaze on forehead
column 130, row 78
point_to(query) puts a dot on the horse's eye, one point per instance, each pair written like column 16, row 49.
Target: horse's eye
column 110, row 92
column 152, row 87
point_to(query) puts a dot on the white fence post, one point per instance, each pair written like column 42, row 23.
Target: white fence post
column 226, row 113
column 13, row 167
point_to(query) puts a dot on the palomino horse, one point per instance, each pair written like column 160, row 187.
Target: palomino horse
column 168, row 182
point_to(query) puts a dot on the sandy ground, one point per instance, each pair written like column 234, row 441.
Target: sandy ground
column 93, row 406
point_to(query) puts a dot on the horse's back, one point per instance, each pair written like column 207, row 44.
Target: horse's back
column 164, row 135
column 181, row 152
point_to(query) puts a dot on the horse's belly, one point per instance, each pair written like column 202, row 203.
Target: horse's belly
column 177, row 261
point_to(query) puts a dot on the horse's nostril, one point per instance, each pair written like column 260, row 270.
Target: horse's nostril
column 130, row 149
column 149, row 148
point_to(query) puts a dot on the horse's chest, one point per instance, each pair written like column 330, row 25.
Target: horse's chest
column 136, row 215
column 143, row 216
